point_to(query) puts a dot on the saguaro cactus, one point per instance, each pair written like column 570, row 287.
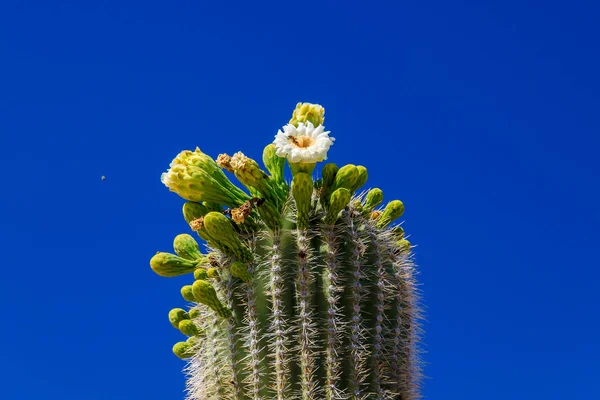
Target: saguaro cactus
column 306, row 291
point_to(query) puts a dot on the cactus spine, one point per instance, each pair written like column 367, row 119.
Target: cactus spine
column 306, row 291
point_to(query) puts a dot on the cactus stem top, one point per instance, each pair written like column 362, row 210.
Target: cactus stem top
column 306, row 290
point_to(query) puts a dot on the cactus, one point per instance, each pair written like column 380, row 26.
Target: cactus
column 306, row 291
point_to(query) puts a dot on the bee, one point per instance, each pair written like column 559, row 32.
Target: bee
column 293, row 140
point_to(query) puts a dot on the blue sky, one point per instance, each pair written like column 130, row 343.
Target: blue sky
column 482, row 117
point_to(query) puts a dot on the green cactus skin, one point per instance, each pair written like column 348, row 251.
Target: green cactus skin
column 314, row 299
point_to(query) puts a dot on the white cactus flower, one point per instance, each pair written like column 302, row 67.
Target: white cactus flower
column 303, row 144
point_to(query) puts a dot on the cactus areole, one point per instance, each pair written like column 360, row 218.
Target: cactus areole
column 307, row 287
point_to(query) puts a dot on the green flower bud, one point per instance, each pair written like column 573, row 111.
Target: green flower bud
column 169, row 265
column 177, row 315
column 205, row 293
column 186, row 246
column 192, row 211
column 240, row 270
column 182, row 350
column 194, row 313
column 224, row 237
column 329, row 171
column 200, row 274
column 308, row 112
column 392, row 211
column 398, row 231
column 339, row 200
column 187, row 293
column 403, row 246
column 188, row 328
column 302, row 188
column 357, row 205
column 212, row 206
column 274, row 164
column 346, row 177
column 374, row 198
column 363, row 175
column 196, row 177
column 212, row 273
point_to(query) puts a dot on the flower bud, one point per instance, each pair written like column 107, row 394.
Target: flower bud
column 169, row 265
column 403, row 246
column 186, row 246
column 205, row 293
column 240, row 270
column 196, row 177
column 398, row 231
column 346, row 177
column 375, row 215
column 304, row 112
column 213, row 206
column 192, row 211
column 374, row 198
column 357, row 205
column 362, row 177
column 182, row 350
column 187, row 293
column 188, row 328
column 223, row 236
column 338, row 201
column 212, row 273
column 393, row 210
column 177, row 315
column 329, row 171
column 274, row 164
column 200, row 274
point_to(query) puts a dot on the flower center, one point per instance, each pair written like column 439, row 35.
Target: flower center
column 301, row 141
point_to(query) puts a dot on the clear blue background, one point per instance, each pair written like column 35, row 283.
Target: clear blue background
column 481, row 116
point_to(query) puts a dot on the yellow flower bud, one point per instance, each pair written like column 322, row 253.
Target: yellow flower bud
column 177, row 315
column 304, row 112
